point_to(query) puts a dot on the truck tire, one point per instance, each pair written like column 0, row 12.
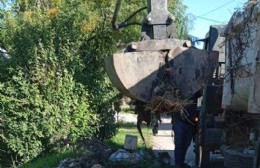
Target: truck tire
column 235, row 158
column 202, row 155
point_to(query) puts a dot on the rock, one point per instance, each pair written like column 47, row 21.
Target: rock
column 130, row 142
column 164, row 158
column 95, row 153
column 141, row 153
column 96, row 166
column 72, row 164
column 120, row 155
column 135, row 157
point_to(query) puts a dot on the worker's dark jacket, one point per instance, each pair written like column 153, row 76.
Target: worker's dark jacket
column 192, row 111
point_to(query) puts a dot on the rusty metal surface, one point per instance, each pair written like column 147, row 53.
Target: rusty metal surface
column 191, row 68
column 135, row 73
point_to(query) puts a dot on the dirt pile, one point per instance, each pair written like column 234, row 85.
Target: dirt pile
column 94, row 155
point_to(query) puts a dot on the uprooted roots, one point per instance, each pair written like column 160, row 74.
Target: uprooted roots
column 167, row 98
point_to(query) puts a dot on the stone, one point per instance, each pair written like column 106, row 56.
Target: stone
column 130, row 142
column 135, row 157
column 96, row 166
column 120, row 155
column 72, row 164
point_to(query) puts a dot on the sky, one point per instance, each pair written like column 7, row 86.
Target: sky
column 210, row 12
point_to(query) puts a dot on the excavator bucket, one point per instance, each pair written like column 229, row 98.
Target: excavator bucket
column 137, row 73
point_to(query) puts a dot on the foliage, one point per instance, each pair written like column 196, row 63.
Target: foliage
column 178, row 9
column 44, row 103
column 43, row 108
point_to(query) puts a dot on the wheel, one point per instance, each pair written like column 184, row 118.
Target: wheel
column 202, row 155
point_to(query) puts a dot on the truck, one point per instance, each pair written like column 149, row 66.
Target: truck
column 229, row 115
column 227, row 70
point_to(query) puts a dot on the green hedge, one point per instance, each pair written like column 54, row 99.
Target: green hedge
column 45, row 102
column 38, row 117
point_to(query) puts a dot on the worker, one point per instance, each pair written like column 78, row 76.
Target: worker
column 184, row 127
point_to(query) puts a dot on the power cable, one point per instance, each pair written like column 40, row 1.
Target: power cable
column 217, row 8
column 208, row 19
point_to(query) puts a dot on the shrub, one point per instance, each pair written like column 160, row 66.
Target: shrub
column 53, row 87
column 43, row 105
column 42, row 112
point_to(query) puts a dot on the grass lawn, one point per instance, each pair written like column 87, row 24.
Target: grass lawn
column 51, row 160
column 130, row 129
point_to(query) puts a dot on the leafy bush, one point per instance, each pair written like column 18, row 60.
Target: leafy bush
column 41, row 111
column 44, row 104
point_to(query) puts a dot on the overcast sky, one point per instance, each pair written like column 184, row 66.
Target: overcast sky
column 210, row 12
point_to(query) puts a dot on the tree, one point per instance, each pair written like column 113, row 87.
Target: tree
column 46, row 100
column 178, row 9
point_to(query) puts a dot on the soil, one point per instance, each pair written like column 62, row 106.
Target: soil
column 95, row 154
